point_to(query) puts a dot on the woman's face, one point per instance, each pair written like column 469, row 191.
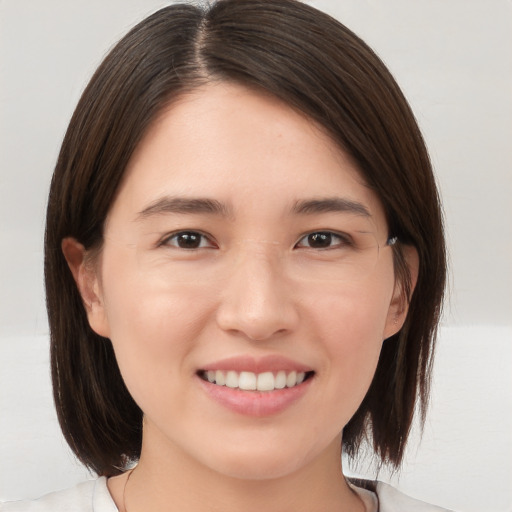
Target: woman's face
column 242, row 251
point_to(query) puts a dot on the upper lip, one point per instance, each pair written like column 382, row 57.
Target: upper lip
column 269, row 363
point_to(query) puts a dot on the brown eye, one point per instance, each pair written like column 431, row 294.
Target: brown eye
column 188, row 240
column 322, row 240
column 319, row 240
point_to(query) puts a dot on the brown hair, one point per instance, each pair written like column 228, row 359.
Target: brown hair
column 314, row 64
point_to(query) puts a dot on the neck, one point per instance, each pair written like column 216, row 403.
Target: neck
column 169, row 480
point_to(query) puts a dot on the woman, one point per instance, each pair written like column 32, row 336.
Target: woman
column 244, row 266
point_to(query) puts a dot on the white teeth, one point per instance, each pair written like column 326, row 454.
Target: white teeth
column 232, row 379
column 280, row 381
column 249, row 381
column 291, row 380
column 265, row 382
column 220, row 378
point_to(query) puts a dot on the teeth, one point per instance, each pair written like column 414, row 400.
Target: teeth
column 291, row 380
column 265, row 382
column 280, row 381
column 232, row 380
column 220, row 378
column 249, row 381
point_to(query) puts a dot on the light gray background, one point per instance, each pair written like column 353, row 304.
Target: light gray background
column 453, row 59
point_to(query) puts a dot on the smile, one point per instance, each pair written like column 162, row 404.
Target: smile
column 250, row 381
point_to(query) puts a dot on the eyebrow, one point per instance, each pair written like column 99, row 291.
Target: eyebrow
column 184, row 205
column 330, row 204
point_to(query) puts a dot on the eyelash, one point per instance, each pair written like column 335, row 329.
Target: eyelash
column 167, row 240
column 343, row 240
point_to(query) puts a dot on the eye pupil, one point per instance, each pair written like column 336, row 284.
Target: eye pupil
column 189, row 240
column 320, row 240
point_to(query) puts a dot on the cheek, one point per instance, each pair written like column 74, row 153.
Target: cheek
column 353, row 315
column 350, row 327
column 153, row 326
column 353, row 338
column 141, row 301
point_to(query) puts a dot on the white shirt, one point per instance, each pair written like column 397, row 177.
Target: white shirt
column 94, row 496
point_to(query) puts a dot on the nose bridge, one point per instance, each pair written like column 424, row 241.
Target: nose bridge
column 257, row 299
column 258, row 263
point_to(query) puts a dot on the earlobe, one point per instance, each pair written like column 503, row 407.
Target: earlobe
column 88, row 284
column 399, row 305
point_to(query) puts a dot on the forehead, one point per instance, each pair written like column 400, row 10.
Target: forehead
column 243, row 148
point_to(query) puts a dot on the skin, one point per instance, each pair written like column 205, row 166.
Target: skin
column 170, row 311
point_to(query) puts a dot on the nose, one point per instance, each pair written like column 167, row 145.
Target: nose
column 257, row 301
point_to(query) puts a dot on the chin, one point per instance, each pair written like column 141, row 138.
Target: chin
column 260, row 460
column 260, row 468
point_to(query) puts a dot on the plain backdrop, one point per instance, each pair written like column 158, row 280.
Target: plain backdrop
column 453, row 59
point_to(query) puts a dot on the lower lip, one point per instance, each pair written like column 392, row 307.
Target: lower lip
column 255, row 403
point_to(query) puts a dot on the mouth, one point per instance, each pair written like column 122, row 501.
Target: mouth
column 249, row 381
column 257, row 387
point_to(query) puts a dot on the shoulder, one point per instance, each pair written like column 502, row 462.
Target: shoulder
column 89, row 496
column 381, row 497
column 392, row 500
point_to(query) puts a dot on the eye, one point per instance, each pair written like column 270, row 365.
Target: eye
column 323, row 240
column 188, row 240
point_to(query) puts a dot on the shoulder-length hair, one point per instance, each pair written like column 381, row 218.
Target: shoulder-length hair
column 314, row 64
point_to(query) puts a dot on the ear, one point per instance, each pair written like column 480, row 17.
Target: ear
column 88, row 284
column 399, row 306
